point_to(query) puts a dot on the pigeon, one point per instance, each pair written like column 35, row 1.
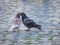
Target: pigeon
column 29, row 23
column 15, row 23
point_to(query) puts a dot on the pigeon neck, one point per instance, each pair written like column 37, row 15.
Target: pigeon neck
column 24, row 16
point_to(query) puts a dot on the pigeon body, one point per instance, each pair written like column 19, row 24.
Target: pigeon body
column 29, row 23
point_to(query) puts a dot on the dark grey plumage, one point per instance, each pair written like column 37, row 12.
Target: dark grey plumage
column 29, row 22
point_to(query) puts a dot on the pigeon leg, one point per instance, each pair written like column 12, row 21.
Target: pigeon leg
column 28, row 29
column 19, row 30
column 14, row 30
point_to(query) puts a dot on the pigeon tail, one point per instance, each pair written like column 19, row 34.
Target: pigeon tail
column 38, row 27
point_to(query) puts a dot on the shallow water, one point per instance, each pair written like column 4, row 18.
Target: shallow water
column 24, row 38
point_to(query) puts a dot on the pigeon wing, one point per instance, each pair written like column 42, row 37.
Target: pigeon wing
column 29, row 22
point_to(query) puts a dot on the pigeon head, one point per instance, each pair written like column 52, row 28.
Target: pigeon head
column 17, row 15
column 22, row 14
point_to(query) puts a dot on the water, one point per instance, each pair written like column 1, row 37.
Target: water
column 24, row 38
column 42, row 12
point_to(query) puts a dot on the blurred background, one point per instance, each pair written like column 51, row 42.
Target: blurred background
column 44, row 12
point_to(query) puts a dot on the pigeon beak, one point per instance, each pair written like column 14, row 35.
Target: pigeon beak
column 20, row 14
